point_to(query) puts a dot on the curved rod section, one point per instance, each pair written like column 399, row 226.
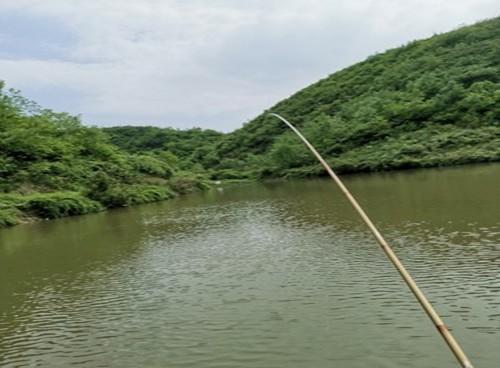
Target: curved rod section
column 422, row 299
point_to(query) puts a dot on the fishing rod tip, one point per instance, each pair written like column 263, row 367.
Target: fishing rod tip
column 275, row 115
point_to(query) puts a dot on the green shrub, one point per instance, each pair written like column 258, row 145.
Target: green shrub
column 128, row 195
column 8, row 217
column 152, row 166
column 186, row 183
column 58, row 204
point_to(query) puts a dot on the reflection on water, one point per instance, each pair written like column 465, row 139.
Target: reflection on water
column 260, row 275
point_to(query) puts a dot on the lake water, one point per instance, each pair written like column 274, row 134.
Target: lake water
column 278, row 274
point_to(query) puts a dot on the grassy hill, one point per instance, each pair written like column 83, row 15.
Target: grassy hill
column 429, row 103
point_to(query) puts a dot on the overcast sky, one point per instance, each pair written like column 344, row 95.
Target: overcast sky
column 212, row 63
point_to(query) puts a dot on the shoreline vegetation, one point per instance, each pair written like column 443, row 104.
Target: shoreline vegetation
column 429, row 103
column 51, row 166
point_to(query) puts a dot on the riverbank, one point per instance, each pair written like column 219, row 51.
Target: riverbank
column 17, row 209
column 52, row 166
column 439, row 147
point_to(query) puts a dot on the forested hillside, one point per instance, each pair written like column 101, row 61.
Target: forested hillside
column 194, row 148
column 52, row 166
column 429, row 103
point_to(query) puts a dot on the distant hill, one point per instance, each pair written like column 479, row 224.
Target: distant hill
column 428, row 103
column 191, row 146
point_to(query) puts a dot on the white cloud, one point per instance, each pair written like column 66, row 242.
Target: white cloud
column 214, row 64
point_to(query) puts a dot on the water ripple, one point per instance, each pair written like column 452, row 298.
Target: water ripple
column 257, row 280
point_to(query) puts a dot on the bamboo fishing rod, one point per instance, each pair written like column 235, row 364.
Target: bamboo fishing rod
column 422, row 299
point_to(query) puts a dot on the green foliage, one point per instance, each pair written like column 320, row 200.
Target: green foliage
column 233, row 175
column 129, row 195
column 59, row 204
column 44, row 205
column 8, row 217
column 357, row 116
column 187, row 182
column 287, row 152
column 52, row 166
column 377, row 114
column 185, row 147
column 150, row 165
column 428, row 103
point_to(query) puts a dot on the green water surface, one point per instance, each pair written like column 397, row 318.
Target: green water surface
column 278, row 274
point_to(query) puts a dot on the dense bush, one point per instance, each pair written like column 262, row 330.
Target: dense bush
column 59, row 204
column 128, row 195
column 9, row 217
column 185, row 147
column 44, row 205
column 186, row 183
column 152, row 166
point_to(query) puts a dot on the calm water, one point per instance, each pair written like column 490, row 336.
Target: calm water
column 260, row 275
